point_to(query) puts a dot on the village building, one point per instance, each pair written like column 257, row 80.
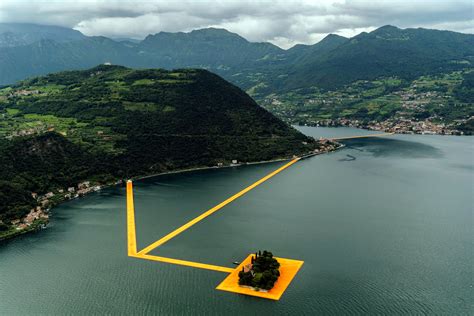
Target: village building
column 49, row 195
column 84, row 185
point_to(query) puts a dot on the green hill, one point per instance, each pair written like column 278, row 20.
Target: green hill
column 111, row 122
column 385, row 52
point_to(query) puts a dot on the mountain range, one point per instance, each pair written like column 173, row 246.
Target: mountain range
column 27, row 50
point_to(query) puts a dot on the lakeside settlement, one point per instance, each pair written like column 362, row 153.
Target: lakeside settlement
column 399, row 126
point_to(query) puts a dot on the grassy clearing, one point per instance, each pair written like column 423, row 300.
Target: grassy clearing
column 173, row 81
column 140, row 106
column 143, row 82
column 12, row 111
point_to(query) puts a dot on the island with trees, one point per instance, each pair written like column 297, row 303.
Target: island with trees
column 261, row 274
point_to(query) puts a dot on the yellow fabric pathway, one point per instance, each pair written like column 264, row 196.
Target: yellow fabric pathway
column 143, row 254
column 214, row 209
column 131, row 232
column 186, row 263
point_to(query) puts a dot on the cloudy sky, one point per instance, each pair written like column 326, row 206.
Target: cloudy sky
column 283, row 23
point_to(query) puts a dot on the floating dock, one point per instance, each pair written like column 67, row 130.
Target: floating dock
column 288, row 268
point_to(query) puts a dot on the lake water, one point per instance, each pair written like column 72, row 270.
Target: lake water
column 385, row 226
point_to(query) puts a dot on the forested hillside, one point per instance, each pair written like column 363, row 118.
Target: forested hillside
column 111, row 122
column 385, row 52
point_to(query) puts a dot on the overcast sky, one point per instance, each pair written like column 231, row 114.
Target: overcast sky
column 283, row 23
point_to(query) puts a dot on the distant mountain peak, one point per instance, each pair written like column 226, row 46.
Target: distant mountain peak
column 387, row 27
column 389, row 32
column 213, row 30
column 333, row 38
column 20, row 34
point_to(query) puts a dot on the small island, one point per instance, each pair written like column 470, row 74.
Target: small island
column 261, row 274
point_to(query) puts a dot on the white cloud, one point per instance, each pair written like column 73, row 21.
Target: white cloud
column 284, row 23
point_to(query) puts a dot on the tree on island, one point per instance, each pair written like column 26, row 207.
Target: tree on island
column 262, row 272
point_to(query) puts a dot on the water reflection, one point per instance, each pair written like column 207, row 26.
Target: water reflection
column 348, row 158
column 383, row 147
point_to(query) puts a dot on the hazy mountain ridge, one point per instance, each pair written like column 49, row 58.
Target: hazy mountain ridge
column 18, row 34
column 209, row 48
column 387, row 51
column 334, row 61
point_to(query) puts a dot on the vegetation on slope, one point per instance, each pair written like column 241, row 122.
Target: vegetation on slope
column 446, row 99
column 111, row 122
column 385, row 52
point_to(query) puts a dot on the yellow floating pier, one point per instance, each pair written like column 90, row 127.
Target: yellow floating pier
column 214, row 209
column 288, row 268
column 186, row 263
column 131, row 232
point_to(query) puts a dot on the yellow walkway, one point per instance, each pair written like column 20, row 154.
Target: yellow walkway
column 214, row 209
column 131, row 233
column 289, row 267
column 143, row 254
column 186, row 263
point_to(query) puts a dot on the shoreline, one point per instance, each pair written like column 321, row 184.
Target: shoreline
column 137, row 178
column 42, row 224
column 305, row 156
column 387, row 130
column 36, row 226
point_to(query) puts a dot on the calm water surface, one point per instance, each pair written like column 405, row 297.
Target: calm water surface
column 385, row 226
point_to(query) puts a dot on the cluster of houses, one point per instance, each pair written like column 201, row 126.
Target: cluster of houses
column 28, row 131
column 233, row 163
column 47, row 200
column 72, row 192
column 34, row 214
column 412, row 116
column 399, row 125
column 406, row 126
column 22, row 93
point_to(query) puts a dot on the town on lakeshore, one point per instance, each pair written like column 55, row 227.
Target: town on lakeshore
column 399, row 126
column 38, row 217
